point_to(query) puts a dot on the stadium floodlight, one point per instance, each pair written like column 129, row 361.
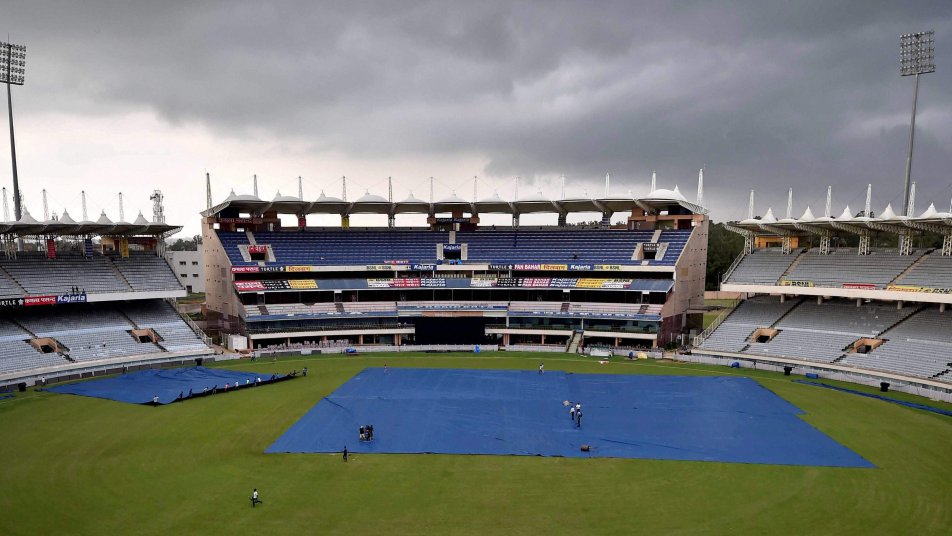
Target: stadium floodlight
column 13, row 71
column 916, row 56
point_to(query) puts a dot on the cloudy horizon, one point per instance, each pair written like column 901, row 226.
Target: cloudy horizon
column 764, row 96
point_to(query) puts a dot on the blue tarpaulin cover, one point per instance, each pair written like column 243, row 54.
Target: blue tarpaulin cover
column 448, row 411
column 139, row 387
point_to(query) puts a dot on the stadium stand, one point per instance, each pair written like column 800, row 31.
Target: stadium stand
column 762, row 267
column 844, row 266
column 145, row 272
column 919, row 346
column 932, row 271
column 759, row 312
column 95, row 275
column 16, row 354
column 350, row 247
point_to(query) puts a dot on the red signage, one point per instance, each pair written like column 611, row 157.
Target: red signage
column 245, row 269
column 257, row 249
column 248, row 286
column 860, row 286
column 39, row 300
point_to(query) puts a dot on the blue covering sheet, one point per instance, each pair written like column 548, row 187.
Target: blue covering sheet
column 139, row 387
column 879, row 397
column 725, row 419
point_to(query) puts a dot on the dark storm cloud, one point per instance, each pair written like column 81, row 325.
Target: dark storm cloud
column 766, row 95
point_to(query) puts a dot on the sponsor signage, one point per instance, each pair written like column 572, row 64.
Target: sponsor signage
column 378, row 283
column 483, row 283
column 452, row 220
column 302, row 284
column 400, row 262
column 584, row 267
column 424, row 267
column 581, row 267
column 860, row 286
column 33, row 301
column 791, row 283
column 924, row 290
column 650, row 247
column 452, row 247
column 240, row 220
column 245, row 269
column 257, row 249
column 379, row 267
column 249, row 286
column 39, row 300
column 298, row 268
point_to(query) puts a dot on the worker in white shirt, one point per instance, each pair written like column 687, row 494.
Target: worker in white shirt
column 254, row 498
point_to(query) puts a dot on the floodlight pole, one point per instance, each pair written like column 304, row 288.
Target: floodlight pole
column 916, row 57
column 912, row 139
column 13, row 145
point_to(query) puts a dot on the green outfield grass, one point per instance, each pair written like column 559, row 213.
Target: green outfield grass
column 77, row 465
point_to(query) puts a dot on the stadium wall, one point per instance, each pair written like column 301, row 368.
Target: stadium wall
column 905, row 384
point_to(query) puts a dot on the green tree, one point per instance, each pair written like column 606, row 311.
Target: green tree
column 723, row 247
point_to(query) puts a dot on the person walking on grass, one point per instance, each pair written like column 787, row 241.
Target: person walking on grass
column 345, row 453
column 254, row 498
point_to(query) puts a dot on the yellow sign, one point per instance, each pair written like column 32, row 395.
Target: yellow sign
column 302, row 283
column 590, row 283
column 608, row 267
column 298, row 268
column 789, row 283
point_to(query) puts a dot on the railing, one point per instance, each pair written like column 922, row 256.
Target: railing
column 191, row 323
column 699, row 339
column 733, row 265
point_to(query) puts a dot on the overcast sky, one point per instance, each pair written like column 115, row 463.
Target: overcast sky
column 134, row 96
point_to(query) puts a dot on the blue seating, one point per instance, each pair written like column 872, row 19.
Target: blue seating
column 503, row 246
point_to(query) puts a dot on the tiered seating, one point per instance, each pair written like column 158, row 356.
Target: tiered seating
column 563, row 246
column 845, row 266
column 9, row 287
column 535, row 307
column 40, row 276
column 355, row 247
column 919, row 346
column 340, row 247
column 934, row 271
column 370, row 307
column 614, row 309
column 762, row 267
column 91, row 334
column 147, row 272
column 821, row 332
column 294, row 309
column 17, row 355
column 230, row 241
column 676, row 240
column 161, row 317
column 759, row 312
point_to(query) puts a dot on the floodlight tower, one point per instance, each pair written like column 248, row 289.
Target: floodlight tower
column 916, row 56
column 12, row 71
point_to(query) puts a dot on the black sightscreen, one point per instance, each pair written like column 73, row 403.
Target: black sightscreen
column 465, row 330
